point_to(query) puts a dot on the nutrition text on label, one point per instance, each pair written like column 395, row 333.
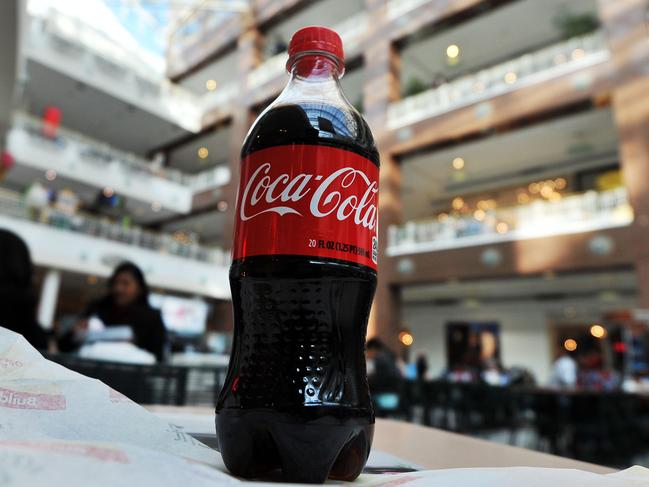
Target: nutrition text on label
column 340, row 246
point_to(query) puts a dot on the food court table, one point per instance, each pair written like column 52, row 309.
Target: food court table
column 427, row 447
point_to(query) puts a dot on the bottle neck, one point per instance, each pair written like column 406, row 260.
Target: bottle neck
column 315, row 67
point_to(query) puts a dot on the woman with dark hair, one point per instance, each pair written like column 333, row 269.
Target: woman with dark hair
column 18, row 302
column 127, row 303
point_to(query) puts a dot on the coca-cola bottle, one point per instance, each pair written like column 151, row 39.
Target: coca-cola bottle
column 303, row 276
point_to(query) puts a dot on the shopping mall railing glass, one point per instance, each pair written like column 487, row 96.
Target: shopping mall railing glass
column 92, row 150
column 578, row 213
column 556, row 60
column 12, row 205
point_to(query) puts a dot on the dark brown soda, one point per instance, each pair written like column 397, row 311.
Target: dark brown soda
column 296, row 398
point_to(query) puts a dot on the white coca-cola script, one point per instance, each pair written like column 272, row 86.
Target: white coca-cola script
column 327, row 195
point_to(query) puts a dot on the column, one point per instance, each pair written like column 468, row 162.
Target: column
column 381, row 87
column 624, row 22
column 49, row 298
column 249, row 56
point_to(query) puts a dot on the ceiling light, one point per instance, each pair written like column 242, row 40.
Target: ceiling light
column 511, row 78
column 50, row 174
column 457, row 203
column 570, row 345
column 210, row 85
column 578, row 54
column 502, row 227
column 406, row 338
column 458, row 163
column 222, row 206
column 452, row 51
column 203, row 152
column 598, row 331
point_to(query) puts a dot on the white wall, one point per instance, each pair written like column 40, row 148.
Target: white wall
column 524, row 328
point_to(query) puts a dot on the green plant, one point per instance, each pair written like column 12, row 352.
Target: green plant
column 414, row 86
column 572, row 25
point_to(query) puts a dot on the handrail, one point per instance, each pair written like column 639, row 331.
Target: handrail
column 13, row 205
column 93, row 149
column 579, row 212
column 551, row 61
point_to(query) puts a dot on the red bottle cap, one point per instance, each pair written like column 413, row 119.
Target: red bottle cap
column 316, row 38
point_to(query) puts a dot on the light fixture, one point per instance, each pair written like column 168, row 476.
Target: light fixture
column 442, row 217
column 458, row 163
column 50, row 174
column 479, row 215
column 452, row 51
column 598, row 331
column 511, row 77
column 203, row 152
column 578, row 54
column 156, row 206
column 523, row 198
column 546, row 191
column 210, row 85
column 222, row 206
column 534, row 188
column 108, row 192
column 457, row 203
column 570, row 345
column 406, row 338
column 560, row 183
column 502, row 227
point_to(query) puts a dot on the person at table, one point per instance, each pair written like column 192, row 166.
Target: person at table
column 564, row 370
column 383, row 373
column 126, row 303
column 18, row 301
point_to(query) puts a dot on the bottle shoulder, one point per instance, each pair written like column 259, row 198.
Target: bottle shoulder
column 312, row 122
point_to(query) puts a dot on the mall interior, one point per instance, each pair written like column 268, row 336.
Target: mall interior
column 514, row 180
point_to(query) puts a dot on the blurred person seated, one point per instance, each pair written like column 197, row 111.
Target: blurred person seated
column 493, row 373
column 564, row 370
column 466, row 370
column 18, row 301
column 126, row 308
column 383, row 376
column 592, row 376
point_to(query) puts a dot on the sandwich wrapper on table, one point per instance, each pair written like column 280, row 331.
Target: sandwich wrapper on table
column 58, row 427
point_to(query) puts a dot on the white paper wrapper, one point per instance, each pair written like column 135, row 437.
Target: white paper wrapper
column 58, row 427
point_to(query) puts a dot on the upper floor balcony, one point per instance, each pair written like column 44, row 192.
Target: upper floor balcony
column 578, row 213
column 82, row 52
column 87, row 244
column 523, row 71
column 272, row 71
column 99, row 165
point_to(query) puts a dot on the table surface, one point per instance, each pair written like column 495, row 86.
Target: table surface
column 430, row 448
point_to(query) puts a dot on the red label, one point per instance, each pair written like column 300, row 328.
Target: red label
column 308, row 200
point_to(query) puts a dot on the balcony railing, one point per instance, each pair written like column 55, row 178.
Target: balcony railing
column 13, row 205
column 573, row 214
column 531, row 68
column 351, row 31
column 84, row 52
column 396, row 8
column 94, row 151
